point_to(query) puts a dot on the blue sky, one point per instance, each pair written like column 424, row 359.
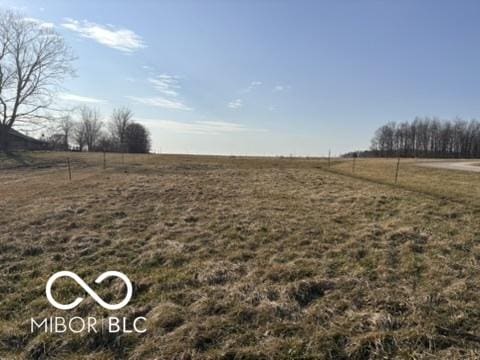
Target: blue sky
column 269, row 77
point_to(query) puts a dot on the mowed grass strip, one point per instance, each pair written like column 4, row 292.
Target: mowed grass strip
column 241, row 258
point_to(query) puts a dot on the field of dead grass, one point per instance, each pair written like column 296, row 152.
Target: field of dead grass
column 244, row 258
column 461, row 186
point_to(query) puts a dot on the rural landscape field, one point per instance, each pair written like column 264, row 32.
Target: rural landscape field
column 243, row 258
column 239, row 180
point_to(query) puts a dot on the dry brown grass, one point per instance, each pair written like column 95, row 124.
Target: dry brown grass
column 239, row 258
column 461, row 186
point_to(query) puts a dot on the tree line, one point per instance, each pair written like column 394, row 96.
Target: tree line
column 34, row 61
column 428, row 137
column 120, row 134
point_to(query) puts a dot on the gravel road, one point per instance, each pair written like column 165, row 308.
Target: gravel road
column 473, row 166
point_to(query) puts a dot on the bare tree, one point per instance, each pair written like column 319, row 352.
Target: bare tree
column 34, row 60
column 91, row 126
column 79, row 134
column 65, row 127
column 121, row 118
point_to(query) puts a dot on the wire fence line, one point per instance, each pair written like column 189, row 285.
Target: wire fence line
column 355, row 169
column 106, row 160
column 399, row 172
column 25, row 160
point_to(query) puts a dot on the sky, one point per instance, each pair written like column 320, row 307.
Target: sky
column 269, row 77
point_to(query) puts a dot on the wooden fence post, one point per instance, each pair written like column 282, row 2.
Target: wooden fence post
column 69, row 169
column 396, row 171
column 104, row 160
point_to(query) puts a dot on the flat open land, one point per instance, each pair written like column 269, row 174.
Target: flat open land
column 243, row 258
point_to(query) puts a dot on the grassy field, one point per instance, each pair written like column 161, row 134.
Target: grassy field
column 244, row 258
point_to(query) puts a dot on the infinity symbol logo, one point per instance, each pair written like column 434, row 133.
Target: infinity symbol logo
column 88, row 289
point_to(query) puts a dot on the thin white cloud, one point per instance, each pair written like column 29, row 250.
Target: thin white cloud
column 22, row 8
column 235, row 104
column 40, row 23
column 161, row 102
column 198, row 127
column 279, row 88
column 252, row 86
column 79, row 98
column 121, row 39
column 166, row 84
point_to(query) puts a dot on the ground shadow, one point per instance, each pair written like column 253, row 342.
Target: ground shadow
column 11, row 159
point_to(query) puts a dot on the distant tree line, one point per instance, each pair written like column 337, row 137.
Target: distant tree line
column 428, row 137
column 90, row 133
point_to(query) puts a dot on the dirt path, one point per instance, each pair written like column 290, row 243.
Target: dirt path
column 454, row 165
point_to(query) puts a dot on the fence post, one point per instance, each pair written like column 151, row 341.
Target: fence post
column 104, row 160
column 396, row 171
column 69, row 169
column 329, row 158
